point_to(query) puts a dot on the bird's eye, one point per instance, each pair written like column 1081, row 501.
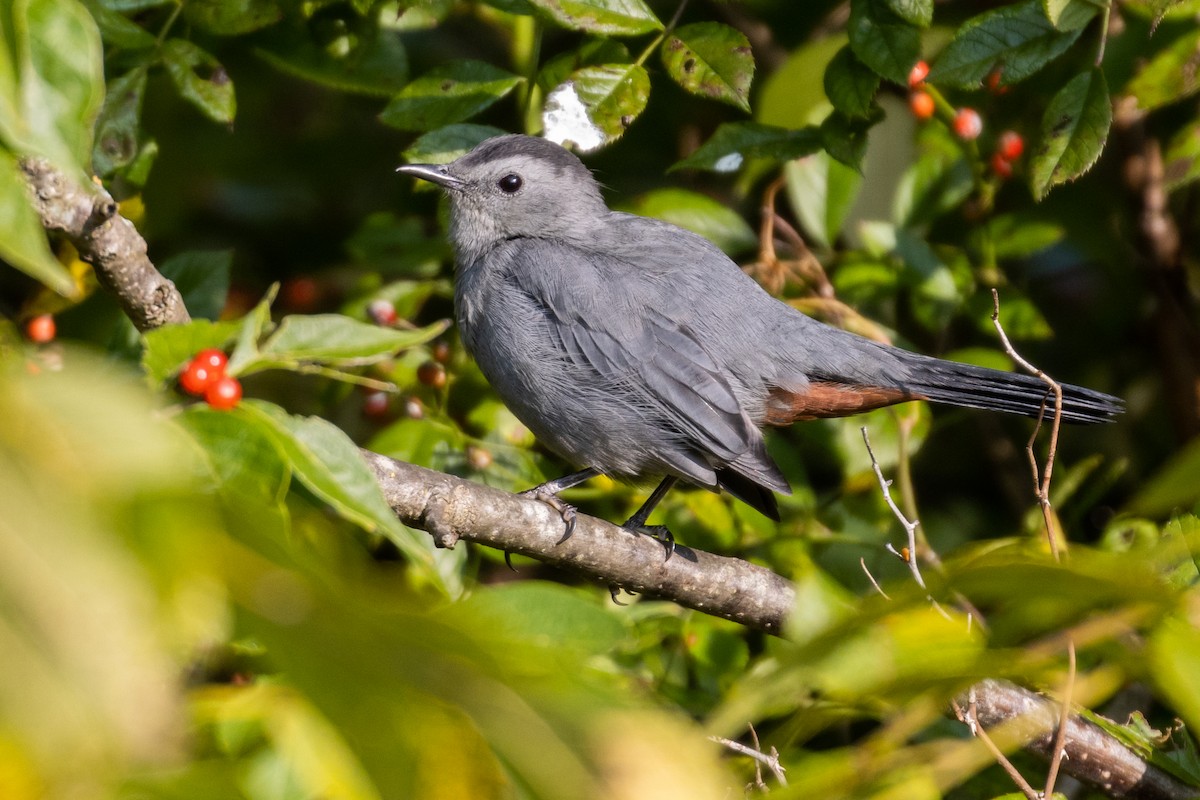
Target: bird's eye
column 510, row 184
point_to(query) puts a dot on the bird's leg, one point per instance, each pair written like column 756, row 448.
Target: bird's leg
column 548, row 494
column 637, row 522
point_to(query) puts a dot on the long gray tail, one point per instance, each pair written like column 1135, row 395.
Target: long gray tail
column 1011, row 392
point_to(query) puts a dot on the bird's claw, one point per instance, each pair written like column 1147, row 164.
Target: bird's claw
column 564, row 509
column 660, row 532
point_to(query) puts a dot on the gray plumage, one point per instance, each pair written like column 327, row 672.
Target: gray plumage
column 633, row 347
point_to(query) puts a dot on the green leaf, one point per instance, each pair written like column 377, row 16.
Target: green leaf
column 1181, row 163
column 596, row 105
column 544, row 613
column 822, row 192
column 117, row 127
column 444, row 145
column 735, row 142
column 711, row 60
column 1018, row 40
column 200, row 79
column 448, row 94
column 850, row 84
column 117, row 30
column 22, row 240
column 938, row 181
column 700, row 214
column 53, row 86
column 398, row 246
column 335, row 339
column 1074, row 129
column 601, row 17
column 250, row 329
column 882, row 40
column 1069, row 15
column 1021, row 236
column 243, row 456
column 325, row 460
column 167, row 349
column 936, row 296
column 231, row 17
column 202, row 278
column 1172, row 487
column 592, row 53
column 914, row 12
column 1171, row 76
column 1174, row 651
column 845, row 138
column 370, row 61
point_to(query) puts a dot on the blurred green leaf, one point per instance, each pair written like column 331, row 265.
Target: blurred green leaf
column 1074, row 130
column 596, row 104
column 735, row 142
column 1018, row 40
column 822, row 191
column 1067, row 15
column 939, row 180
column 845, row 138
column 1181, row 162
column 882, row 40
column 546, row 615
column 397, row 246
column 1021, row 319
column 22, row 241
column 371, row 60
column 232, row 17
column 447, row 94
column 202, row 278
column 334, row 339
column 601, row 17
column 325, row 460
column 936, row 297
column 850, row 85
column 1020, row 235
column 711, row 60
column 700, row 214
column 51, row 81
column 200, row 79
column 118, row 30
column 1174, row 651
column 914, row 12
column 1170, row 76
column 117, row 127
column 1172, row 487
column 444, row 145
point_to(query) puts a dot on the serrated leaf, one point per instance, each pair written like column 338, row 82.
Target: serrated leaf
column 608, row 97
column 711, row 60
column 1172, row 75
column 325, row 460
column 882, row 40
column 602, row 17
column 232, row 17
column 1074, row 129
column 371, row 61
column 117, row 127
column 200, row 79
column 850, row 84
column 22, row 240
column 335, row 339
column 53, row 86
column 1017, row 40
column 448, row 94
column 167, row 349
column 914, row 12
column 446, row 144
column 1181, row 162
column 202, row 278
column 735, row 142
column 700, row 214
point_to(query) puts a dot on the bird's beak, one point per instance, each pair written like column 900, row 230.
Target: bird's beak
column 434, row 173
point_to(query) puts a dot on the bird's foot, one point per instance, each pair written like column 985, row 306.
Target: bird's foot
column 551, row 498
column 660, row 532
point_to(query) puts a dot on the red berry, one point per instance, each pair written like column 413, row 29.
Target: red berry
column 921, row 104
column 382, row 312
column 917, row 76
column 197, row 376
column 375, row 405
column 992, row 81
column 440, row 351
column 300, row 294
column 1010, row 146
column 213, row 359
column 968, row 124
column 41, row 329
column 432, row 374
column 223, row 393
column 1001, row 166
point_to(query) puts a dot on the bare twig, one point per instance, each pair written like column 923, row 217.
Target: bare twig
column 1063, row 718
column 910, row 528
column 769, row 760
column 862, row 562
column 971, row 718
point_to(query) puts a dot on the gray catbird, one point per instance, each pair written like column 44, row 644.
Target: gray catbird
column 632, row 347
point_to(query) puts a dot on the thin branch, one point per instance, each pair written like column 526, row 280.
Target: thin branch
column 971, row 718
column 1064, row 717
column 910, row 528
column 769, row 760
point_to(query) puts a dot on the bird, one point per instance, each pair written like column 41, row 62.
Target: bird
column 634, row 348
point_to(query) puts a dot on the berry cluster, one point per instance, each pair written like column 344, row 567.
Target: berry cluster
column 204, row 376
column 966, row 123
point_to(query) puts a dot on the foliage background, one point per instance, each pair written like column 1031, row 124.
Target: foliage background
column 196, row 605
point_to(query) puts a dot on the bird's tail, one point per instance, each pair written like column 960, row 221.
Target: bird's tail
column 1015, row 393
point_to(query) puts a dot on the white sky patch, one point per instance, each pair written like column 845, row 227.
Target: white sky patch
column 565, row 119
column 728, row 162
